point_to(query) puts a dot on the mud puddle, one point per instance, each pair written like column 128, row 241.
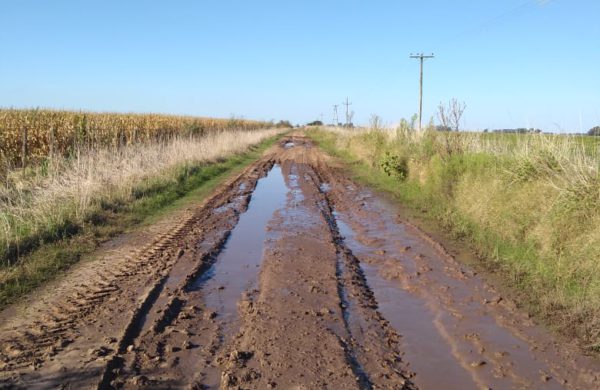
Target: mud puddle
column 455, row 329
column 236, row 267
column 425, row 348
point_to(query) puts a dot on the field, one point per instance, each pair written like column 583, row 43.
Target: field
column 288, row 272
column 35, row 135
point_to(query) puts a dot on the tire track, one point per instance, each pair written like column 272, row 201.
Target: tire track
column 178, row 302
column 358, row 301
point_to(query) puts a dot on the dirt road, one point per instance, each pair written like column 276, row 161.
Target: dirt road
column 291, row 277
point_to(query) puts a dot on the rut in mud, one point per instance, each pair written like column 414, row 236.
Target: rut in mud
column 289, row 276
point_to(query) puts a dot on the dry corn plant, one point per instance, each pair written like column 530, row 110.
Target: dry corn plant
column 34, row 135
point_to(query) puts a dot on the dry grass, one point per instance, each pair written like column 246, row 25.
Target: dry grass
column 568, row 165
column 42, row 202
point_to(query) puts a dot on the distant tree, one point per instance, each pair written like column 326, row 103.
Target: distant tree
column 283, row 124
column 375, row 122
column 315, row 123
column 594, row 131
column 443, row 128
column 451, row 114
column 519, row 130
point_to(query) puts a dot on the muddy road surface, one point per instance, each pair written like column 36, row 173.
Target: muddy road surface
column 290, row 276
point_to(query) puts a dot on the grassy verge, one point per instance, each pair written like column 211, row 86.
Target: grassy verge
column 530, row 215
column 187, row 184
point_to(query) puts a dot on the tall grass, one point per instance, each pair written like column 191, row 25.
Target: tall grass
column 52, row 200
column 528, row 203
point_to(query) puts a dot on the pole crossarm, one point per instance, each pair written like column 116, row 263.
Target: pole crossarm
column 421, row 56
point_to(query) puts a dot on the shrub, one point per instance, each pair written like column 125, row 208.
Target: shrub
column 395, row 166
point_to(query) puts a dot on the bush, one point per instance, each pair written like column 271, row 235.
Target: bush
column 284, row 125
column 395, row 166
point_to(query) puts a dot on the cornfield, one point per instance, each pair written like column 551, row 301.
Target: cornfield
column 33, row 135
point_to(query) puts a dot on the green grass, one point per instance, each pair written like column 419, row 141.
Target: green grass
column 152, row 201
column 528, row 216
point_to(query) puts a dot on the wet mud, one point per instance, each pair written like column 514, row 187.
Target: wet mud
column 289, row 276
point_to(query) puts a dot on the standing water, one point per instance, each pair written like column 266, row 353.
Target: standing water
column 236, row 267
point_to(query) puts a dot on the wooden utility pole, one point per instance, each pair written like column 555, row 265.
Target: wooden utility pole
column 24, row 145
column 335, row 115
column 421, row 57
column 347, row 104
column 52, row 140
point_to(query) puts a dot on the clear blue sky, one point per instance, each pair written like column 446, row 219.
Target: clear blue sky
column 514, row 62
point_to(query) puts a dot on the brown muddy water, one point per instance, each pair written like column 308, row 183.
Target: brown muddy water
column 237, row 265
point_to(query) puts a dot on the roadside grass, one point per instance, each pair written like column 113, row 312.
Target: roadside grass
column 150, row 199
column 529, row 206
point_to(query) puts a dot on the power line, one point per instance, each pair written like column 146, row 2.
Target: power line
column 421, row 57
column 478, row 28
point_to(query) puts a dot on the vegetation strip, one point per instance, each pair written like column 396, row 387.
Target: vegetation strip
column 527, row 204
column 189, row 183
